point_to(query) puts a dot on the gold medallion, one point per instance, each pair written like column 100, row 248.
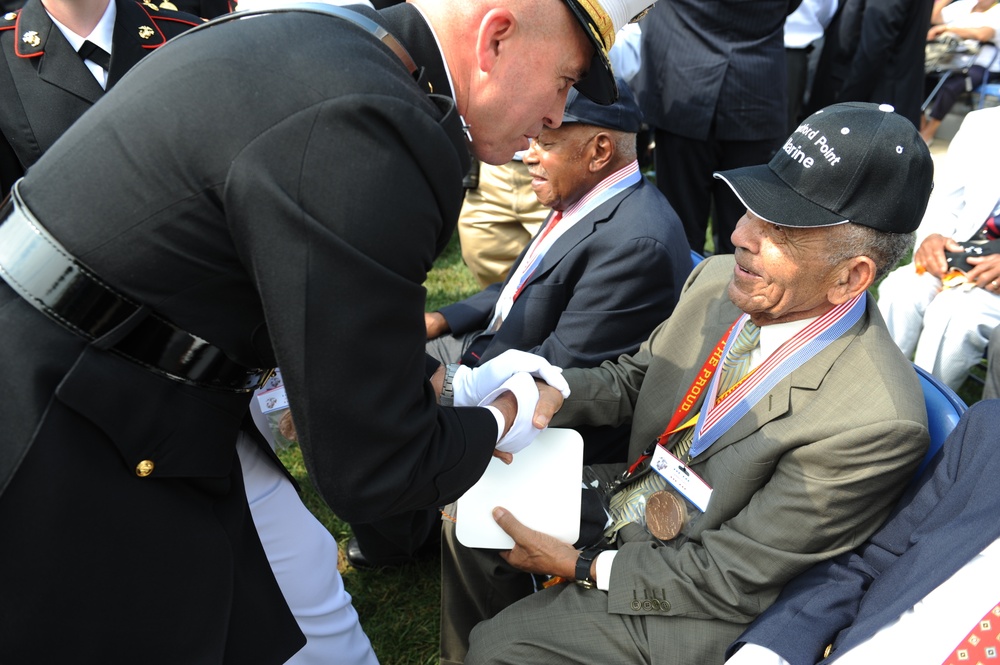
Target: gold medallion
column 31, row 38
column 665, row 515
column 145, row 32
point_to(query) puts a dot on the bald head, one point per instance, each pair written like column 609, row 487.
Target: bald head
column 512, row 63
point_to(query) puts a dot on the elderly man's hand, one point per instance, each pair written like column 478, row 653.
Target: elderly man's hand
column 534, row 551
column 929, row 257
column 985, row 272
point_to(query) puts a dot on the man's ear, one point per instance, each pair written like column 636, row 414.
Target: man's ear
column 853, row 277
column 603, row 151
column 496, row 27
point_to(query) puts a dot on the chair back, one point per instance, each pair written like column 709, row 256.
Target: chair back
column 944, row 408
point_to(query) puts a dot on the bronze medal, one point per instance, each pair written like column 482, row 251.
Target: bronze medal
column 665, row 515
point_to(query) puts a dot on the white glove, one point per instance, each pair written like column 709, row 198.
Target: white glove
column 472, row 385
column 521, row 432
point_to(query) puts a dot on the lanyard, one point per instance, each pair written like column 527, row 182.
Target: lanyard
column 690, row 399
column 720, row 415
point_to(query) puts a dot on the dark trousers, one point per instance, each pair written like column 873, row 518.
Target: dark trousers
column 953, row 88
column 797, row 63
column 684, row 170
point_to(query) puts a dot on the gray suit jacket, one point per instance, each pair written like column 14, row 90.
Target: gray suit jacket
column 810, row 472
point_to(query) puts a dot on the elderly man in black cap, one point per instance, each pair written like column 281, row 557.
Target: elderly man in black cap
column 603, row 271
column 774, row 422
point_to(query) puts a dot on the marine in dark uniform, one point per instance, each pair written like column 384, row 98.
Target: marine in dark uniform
column 45, row 85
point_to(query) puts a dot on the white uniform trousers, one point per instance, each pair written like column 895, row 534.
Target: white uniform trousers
column 945, row 332
column 303, row 557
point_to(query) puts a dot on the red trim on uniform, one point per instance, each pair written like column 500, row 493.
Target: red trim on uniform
column 177, row 20
column 17, row 44
column 163, row 39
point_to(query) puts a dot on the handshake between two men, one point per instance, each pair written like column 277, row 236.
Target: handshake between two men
column 521, row 389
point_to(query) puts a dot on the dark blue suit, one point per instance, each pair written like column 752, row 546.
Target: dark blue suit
column 713, row 86
column 939, row 525
column 598, row 292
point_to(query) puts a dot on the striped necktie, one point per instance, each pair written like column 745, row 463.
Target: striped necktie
column 737, row 362
column 734, row 368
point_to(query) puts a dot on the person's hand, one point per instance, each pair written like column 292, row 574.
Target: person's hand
column 985, row 272
column 550, row 400
column 534, row 551
column 929, row 257
column 520, row 430
column 436, row 324
column 472, row 385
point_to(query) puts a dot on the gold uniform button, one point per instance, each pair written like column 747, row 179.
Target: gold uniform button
column 144, row 468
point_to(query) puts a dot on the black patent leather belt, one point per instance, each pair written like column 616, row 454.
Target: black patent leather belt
column 38, row 268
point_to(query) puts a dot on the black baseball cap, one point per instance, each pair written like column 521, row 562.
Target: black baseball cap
column 601, row 20
column 851, row 162
column 623, row 114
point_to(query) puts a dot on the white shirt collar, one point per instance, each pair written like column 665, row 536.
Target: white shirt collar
column 101, row 34
column 774, row 335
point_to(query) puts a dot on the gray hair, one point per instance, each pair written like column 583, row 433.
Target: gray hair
column 885, row 249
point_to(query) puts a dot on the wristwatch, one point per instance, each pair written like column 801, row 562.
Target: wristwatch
column 583, row 563
column 448, row 390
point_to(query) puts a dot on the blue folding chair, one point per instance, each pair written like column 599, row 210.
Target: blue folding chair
column 696, row 258
column 944, row 408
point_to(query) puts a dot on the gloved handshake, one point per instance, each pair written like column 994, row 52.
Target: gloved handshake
column 513, row 371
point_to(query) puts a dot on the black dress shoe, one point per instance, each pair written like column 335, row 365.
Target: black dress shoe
column 359, row 561
column 356, row 557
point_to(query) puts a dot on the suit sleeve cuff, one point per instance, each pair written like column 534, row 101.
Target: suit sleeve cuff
column 501, row 421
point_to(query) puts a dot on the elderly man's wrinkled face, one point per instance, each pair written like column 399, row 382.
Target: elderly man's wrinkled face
column 782, row 273
column 558, row 164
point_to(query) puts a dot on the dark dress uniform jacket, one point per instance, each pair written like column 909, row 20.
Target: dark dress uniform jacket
column 45, row 85
column 293, row 225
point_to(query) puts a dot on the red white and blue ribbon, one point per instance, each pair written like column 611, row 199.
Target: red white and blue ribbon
column 716, row 419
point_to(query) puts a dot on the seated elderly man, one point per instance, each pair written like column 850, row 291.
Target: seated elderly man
column 944, row 320
column 923, row 589
column 606, row 268
column 788, row 423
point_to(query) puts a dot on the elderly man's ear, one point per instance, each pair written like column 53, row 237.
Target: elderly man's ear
column 853, row 277
column 602, row 151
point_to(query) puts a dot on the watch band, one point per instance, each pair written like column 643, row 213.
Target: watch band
column 448, row 389
column 583, row 563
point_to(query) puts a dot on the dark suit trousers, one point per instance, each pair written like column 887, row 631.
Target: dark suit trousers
column 797, row 62
column 684, row 170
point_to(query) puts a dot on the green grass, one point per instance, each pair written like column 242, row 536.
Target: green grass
column 398, row 607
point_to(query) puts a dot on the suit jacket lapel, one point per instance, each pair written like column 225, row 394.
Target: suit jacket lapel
column 776, row 403
column 58, row 63
column 131, row 23
column 578, row 233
